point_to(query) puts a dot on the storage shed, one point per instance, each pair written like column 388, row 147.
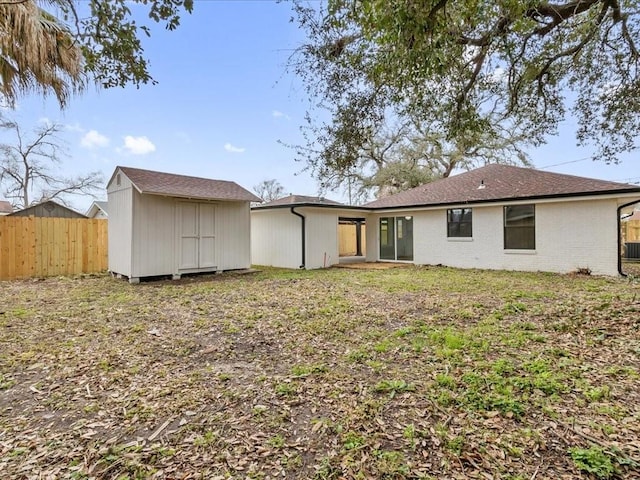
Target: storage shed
column 167, row 224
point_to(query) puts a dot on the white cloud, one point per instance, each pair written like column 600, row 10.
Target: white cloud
column 74, row 127
column 46, row 121
column 93, row 139
column 233, row 149
column 138, row 145
column 279, row 114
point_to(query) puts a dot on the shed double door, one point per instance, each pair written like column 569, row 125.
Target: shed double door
column 197, row 241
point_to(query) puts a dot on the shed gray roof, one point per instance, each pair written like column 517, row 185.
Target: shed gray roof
column 293, row 200
column 172, row 185
column 495, row 183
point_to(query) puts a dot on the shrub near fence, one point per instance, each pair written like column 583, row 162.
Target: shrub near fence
column 44, row 247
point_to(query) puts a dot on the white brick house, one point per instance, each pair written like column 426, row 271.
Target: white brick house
column 501, row 217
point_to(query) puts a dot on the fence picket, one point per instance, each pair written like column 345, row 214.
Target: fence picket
column 41, row 247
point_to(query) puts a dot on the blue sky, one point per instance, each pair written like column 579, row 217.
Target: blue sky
column 223, row 102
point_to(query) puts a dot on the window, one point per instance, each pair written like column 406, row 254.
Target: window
column 459, row 222
column 520, row 227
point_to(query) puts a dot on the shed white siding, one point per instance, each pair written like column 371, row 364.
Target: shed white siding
column 569, row 235
column 276, row 239
column 153, row 235
column 233, row 234
column 120, row 226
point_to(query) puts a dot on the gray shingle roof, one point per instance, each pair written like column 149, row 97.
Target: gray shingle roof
column 169, row 184
column 5, row 207
column 293, row 200
column 493, row 183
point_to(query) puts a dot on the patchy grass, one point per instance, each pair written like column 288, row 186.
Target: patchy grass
column 401, row 373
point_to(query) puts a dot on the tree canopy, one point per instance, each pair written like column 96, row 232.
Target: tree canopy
column 61, row 46
column 469, row 72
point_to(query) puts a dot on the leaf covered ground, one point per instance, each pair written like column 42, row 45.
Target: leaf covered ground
column 404, row 373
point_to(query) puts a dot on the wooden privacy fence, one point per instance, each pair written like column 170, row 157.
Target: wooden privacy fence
column 631, row 231
column 347, row 239
column 43, row 247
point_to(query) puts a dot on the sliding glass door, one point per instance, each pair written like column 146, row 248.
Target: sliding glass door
column 396, row 238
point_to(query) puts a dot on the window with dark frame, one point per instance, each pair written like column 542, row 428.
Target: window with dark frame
column 520, row 227
column 459, row 222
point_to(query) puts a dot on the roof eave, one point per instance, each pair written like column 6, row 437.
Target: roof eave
column 509, row 199
column 194, row 197
column 314, row 205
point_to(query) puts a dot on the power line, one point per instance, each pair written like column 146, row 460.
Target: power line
column 564, row 163
column 628, row 179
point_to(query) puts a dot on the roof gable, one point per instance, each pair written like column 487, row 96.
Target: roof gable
column 96, row 207
column 493, row 183
column 172, row 185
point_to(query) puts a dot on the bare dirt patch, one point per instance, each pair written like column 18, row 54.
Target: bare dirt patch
column 400, row 373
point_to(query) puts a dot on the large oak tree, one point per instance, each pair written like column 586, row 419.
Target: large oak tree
column 469, row 71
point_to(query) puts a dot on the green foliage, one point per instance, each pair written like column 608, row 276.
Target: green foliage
column 445, row 380
column 276, row 441
column 285, row 389
column 352, row 440
column 306, row 370
column 418, row 88
column 597, row 394
column 593, row 460
column 392, row 387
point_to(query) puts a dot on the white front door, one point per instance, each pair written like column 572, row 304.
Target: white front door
column 197, row 235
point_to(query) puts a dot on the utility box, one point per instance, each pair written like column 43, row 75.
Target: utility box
column 632, row 250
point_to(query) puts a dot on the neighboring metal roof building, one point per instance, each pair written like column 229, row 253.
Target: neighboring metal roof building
column 48, row 208
column 172, row 185
column 499, row 183
column 5, row 207
column 299, row 200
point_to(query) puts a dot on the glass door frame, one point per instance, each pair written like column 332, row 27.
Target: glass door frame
column 400, row 230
